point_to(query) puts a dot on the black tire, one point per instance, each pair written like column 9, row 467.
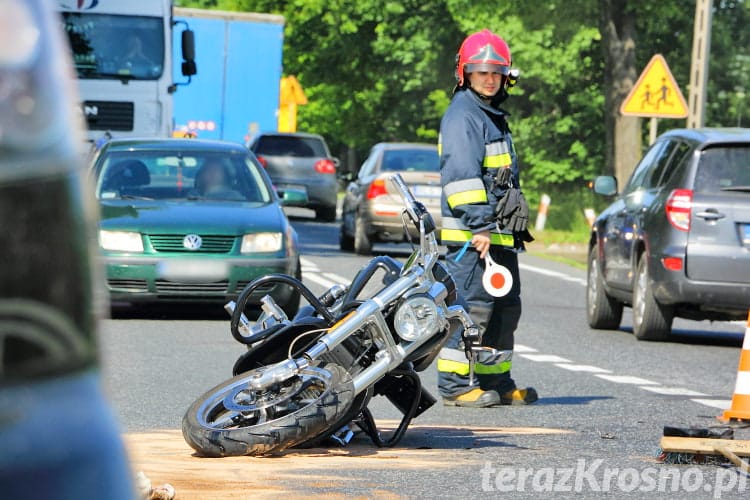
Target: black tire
column 602, row 311
column 324, row 394
column 362, row 242
column 651, row 320
column 346, row 242
column 326, row 214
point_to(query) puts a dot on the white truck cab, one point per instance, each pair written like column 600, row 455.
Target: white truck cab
column 122, row 52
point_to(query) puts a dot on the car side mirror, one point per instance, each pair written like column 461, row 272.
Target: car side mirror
column 292, row 197
column 336, row 162
column 605, row 185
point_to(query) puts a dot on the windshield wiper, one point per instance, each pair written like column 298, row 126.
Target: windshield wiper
column 124, row 78
column 134, row 197
column 745, row 189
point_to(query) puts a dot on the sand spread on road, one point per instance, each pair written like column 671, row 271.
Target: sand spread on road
column 165, row 458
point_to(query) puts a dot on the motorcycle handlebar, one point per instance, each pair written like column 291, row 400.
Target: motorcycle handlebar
column 407, row 196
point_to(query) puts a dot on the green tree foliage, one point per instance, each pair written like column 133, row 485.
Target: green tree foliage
column 377, row 70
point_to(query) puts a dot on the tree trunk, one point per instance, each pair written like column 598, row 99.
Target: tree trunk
column 623, row 133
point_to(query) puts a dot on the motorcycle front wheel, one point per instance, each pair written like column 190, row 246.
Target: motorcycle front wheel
column 232, row 419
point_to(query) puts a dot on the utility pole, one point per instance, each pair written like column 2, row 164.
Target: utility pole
column 699, row 65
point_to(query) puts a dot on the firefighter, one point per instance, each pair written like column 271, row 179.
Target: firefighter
column 484, row 212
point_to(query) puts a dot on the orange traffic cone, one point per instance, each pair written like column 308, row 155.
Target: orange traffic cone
column 740, row 408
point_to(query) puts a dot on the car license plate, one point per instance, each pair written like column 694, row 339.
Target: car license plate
column 427, row 191
column 292, row 187
column 746, row 234
column 192, row 270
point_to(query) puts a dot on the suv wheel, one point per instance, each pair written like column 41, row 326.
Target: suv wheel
column 651, row 320
column 362, row 243
column 326, row 214
column 602, row 311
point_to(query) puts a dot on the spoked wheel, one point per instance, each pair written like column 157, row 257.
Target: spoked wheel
column 234, row 419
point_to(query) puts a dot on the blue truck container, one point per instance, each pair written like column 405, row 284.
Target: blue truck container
column 236, row 92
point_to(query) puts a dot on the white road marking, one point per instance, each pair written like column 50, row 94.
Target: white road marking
column 337, row 278
column 315, row 278
column 625, row 379
column 308, row 264
column 545, row 358
column 722, row 404
column 672, row 391
column 554, row 274
column 523, row 348
column 582, row 368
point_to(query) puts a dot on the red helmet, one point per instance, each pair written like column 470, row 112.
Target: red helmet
column 482, row 51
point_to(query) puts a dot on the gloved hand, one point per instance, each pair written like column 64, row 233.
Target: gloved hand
column 502, row 178
column 518, row 221
column 512, row 212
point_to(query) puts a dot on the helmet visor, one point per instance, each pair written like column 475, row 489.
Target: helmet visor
column 486, row 67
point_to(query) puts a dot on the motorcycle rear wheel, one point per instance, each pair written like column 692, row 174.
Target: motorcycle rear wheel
column 232, row 419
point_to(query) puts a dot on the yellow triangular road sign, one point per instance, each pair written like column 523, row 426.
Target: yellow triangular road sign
column 655, row 94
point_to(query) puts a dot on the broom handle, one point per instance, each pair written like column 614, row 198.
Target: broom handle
column 732, row 457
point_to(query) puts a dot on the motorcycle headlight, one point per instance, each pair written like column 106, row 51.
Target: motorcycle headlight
column 121, row 241
column 261, row 242
column 416, row 317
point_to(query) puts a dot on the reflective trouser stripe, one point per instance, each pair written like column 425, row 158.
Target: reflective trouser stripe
column 450, row 366
column 465, row 192
column 489, row 361
column 464, row 235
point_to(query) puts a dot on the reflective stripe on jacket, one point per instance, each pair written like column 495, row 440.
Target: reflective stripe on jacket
column 474, row 144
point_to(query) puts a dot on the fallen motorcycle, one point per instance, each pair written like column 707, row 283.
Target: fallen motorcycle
column 304, row 380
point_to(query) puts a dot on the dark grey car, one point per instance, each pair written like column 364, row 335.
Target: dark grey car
column 676, row 241
column 300, row 162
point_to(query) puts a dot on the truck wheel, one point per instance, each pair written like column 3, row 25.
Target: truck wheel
column 603, row 312
column 362, row 243
column 326, row 214
column 346, row 242
column 651, row 320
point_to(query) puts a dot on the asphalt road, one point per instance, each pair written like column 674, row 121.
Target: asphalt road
column 605, row 396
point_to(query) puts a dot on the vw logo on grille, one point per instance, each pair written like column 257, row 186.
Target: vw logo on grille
column 192, row 242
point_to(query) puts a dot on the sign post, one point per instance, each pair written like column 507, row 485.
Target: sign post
column 655, row 95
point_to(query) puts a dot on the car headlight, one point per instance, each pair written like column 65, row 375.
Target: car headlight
column 416, row 317
column 261, row 242
column 121, row 241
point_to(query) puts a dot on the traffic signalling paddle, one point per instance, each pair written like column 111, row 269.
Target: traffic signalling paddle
column 496, row 279
column 740, row 408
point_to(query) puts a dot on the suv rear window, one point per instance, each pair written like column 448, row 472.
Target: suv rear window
column 279, row 145
column 723, row 168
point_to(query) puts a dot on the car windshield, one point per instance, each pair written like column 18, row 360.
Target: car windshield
column 281, row 145
column 189, row 176
column 116, row 47
column 418, row 160
column 723, row 168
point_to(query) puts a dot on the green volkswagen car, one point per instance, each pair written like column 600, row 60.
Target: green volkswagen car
column 190, row 220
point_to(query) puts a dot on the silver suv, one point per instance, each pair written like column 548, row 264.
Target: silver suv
column 676, row 241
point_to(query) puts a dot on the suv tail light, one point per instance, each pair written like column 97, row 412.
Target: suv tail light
column 678, row 207
column 325, row 166
column 377, row 188
column 262, row 161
